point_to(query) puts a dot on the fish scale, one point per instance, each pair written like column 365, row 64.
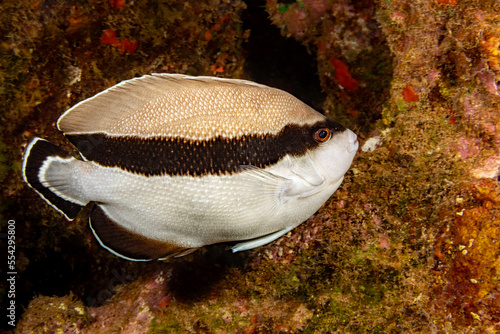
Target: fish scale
column 172, row 163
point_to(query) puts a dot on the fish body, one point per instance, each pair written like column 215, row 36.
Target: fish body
column 173, row 163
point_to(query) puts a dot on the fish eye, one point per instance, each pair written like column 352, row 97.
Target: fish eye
column 322, row 135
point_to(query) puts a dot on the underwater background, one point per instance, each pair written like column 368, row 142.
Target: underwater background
column 410, row 243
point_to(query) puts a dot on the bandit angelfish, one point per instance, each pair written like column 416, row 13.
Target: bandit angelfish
column 172, row 163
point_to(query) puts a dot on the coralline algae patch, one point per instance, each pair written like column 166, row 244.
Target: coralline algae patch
column 467, row 287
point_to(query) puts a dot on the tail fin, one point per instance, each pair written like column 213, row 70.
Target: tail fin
column 46, row 170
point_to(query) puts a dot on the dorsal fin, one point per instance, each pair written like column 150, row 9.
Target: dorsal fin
column 175, row 105
column 127, row 244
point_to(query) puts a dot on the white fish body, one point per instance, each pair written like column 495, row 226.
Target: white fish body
column 174, row 163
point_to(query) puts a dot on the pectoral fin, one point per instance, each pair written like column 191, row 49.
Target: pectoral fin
column 267, row 189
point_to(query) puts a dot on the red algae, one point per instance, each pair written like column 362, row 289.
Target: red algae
column 109, row 37
column 343, row 75
column 409, row 94
column 124, row 45
column 117, row 3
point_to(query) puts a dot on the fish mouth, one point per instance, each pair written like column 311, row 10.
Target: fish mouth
column 353, row 142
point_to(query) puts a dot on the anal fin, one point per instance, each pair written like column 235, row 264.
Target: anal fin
column 127, row 244
column 253, row 243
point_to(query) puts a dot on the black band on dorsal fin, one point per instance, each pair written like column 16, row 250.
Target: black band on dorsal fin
column 127, row 244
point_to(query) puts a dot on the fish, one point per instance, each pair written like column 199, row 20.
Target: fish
column 171, row 163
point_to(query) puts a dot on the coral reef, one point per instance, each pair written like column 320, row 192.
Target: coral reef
column 410, row 243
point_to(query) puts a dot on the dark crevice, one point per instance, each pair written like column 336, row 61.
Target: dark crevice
column 277, row 61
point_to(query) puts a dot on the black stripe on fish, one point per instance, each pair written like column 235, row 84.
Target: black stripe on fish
column 178, row 156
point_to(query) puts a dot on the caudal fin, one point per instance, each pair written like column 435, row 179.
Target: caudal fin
column 46, row 169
